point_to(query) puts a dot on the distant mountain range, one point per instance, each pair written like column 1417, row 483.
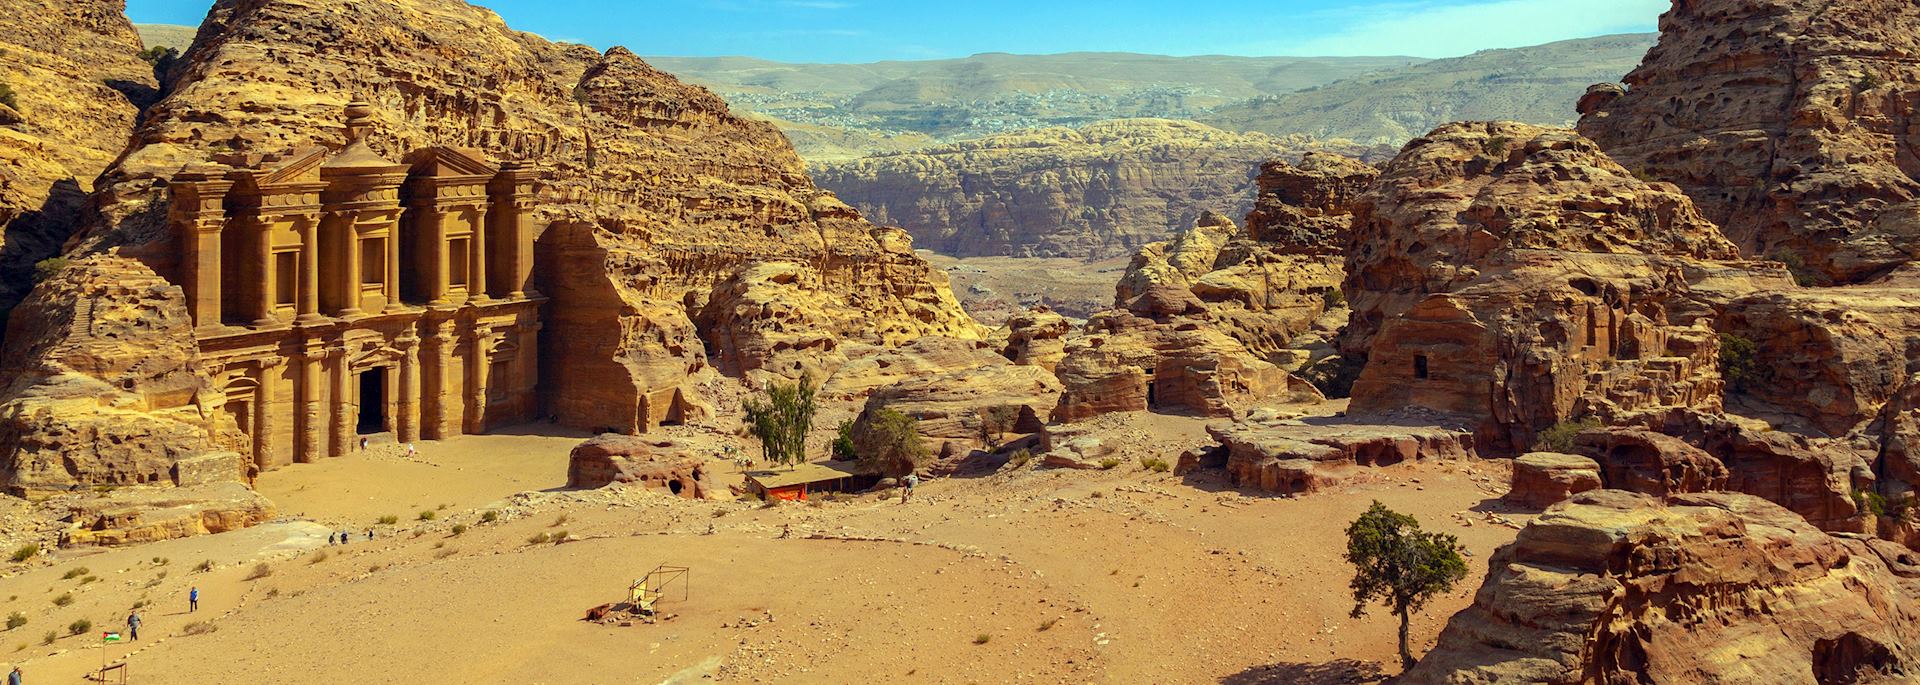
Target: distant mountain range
column 846, row 111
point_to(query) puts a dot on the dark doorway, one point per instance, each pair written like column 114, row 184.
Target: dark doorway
column 1151, row 400
column 1420, row 366
column 373, row 401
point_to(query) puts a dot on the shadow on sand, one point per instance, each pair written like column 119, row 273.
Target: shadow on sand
column 1336, row 672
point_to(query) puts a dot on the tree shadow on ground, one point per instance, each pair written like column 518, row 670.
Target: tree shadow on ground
column 1336, row 672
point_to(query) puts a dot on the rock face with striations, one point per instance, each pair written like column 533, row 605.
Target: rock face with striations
column 1280, row 277
column 1095, row 192
column 1614, row 587
column 104, row 387
column 677, row 236
column 1516, row 275
column 77, row 87
column 1790, row 123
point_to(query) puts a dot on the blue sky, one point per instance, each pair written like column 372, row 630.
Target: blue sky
column 869, row 30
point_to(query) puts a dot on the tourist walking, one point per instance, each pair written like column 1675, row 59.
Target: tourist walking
column 369, row 533
column 410, row 450
column 193, row 599
column 906, row 487
column 14, row 678
column 133, row 625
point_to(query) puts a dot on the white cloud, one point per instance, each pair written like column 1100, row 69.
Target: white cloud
column 1426, row 28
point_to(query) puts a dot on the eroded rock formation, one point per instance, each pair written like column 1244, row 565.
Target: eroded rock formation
column 1294, row 457
column 1515, row 274
column 1099, row 191
column 77, row 86
column 657, row 465
column 1151, row 357
column 104, row 387
column 1543, row 479
column 964, row 395
column 1614, row 587
column 1790, row 123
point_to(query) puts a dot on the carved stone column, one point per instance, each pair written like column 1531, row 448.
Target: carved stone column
column 406, row 415
column 349, row 270
column 199, row 215
column 479, row 364
column 308, row 301
column 342, row 410
column 512, row 196
column 264, row 424
column 393, row 270
column 435, row 419
column 310, row 423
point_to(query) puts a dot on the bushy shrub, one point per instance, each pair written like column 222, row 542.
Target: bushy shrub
column 489, row 516
column 8, row 98
column 843, row 448
column 25, row 552
column 1333, row 298
column 64, row 599
column 1737, row 361
column 1109, row 463
column 15, row 620
column 427, row 515
column 1559, row 437
column 79, row 627
column 73, row 573
column 260, row 570
column 388, row 520
column 781, row 421
column 1155, row 464
column 1020, row 457
column 48, row 268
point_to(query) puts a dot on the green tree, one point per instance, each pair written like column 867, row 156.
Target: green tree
column 1400, row 565
column 889, row 442
column 1737, row 363
column 843, row 448
column 782, row 421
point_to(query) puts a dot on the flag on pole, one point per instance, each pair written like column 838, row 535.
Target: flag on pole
column 110, row 636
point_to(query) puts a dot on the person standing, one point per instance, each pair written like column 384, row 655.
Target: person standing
column 906, row 487
column 15, row 678
column 193, row 599
column 133, row 625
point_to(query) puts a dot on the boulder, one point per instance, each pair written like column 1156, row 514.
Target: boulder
column 1651, row 463
column 1543, row 479
column 658, row 465
column 124, row 516
column 1616, row 587
column 1132, row 363
column 1287, row 456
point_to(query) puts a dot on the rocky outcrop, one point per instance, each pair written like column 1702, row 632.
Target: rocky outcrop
column 77, row 85
column 1292, row 456
column 1614, row 587
column 1832, row 356
column 657, row 465
column 1152, row 358
column 104, row 387
column 1543, row 479
column 141, row 514
column 678, row 235
column 1516, row 275
column 1271, row 285
column 1095, row 192
column 963, row 396
column 1651, row 463
column 1790, row 123
column 1037, row 337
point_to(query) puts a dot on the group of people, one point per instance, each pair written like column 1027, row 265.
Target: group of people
column 344, row 537
column 411, row 452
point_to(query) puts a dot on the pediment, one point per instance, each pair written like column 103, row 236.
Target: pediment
column 450, row 161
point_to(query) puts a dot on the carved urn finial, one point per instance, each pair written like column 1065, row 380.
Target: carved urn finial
column 359, row 119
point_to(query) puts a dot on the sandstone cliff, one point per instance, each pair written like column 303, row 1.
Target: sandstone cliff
column 104, row 387
column 1623, row 588
column 76, row 85
column 678, row 232
column 1516, row 274
column 1094, row 192
column 1790, row 122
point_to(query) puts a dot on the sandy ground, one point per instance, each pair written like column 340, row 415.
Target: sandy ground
column 1024, row 575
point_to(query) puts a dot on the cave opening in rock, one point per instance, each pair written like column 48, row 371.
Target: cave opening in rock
column 1420, row 366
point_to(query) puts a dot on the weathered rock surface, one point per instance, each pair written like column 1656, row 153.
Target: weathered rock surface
column 1038, row 338
column 77, row 84
column 1152, row 358
column 679, row 236
column 1099, row 191
column 658, row 465
column 1516, row 275
column 104, row 387
column 1614, row 587
column 1299, row 456
column 1543, row 479
column 1790, row 123
column 1651, row 463
column 971, row 406
column 141, row 514
column 1832, row 356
